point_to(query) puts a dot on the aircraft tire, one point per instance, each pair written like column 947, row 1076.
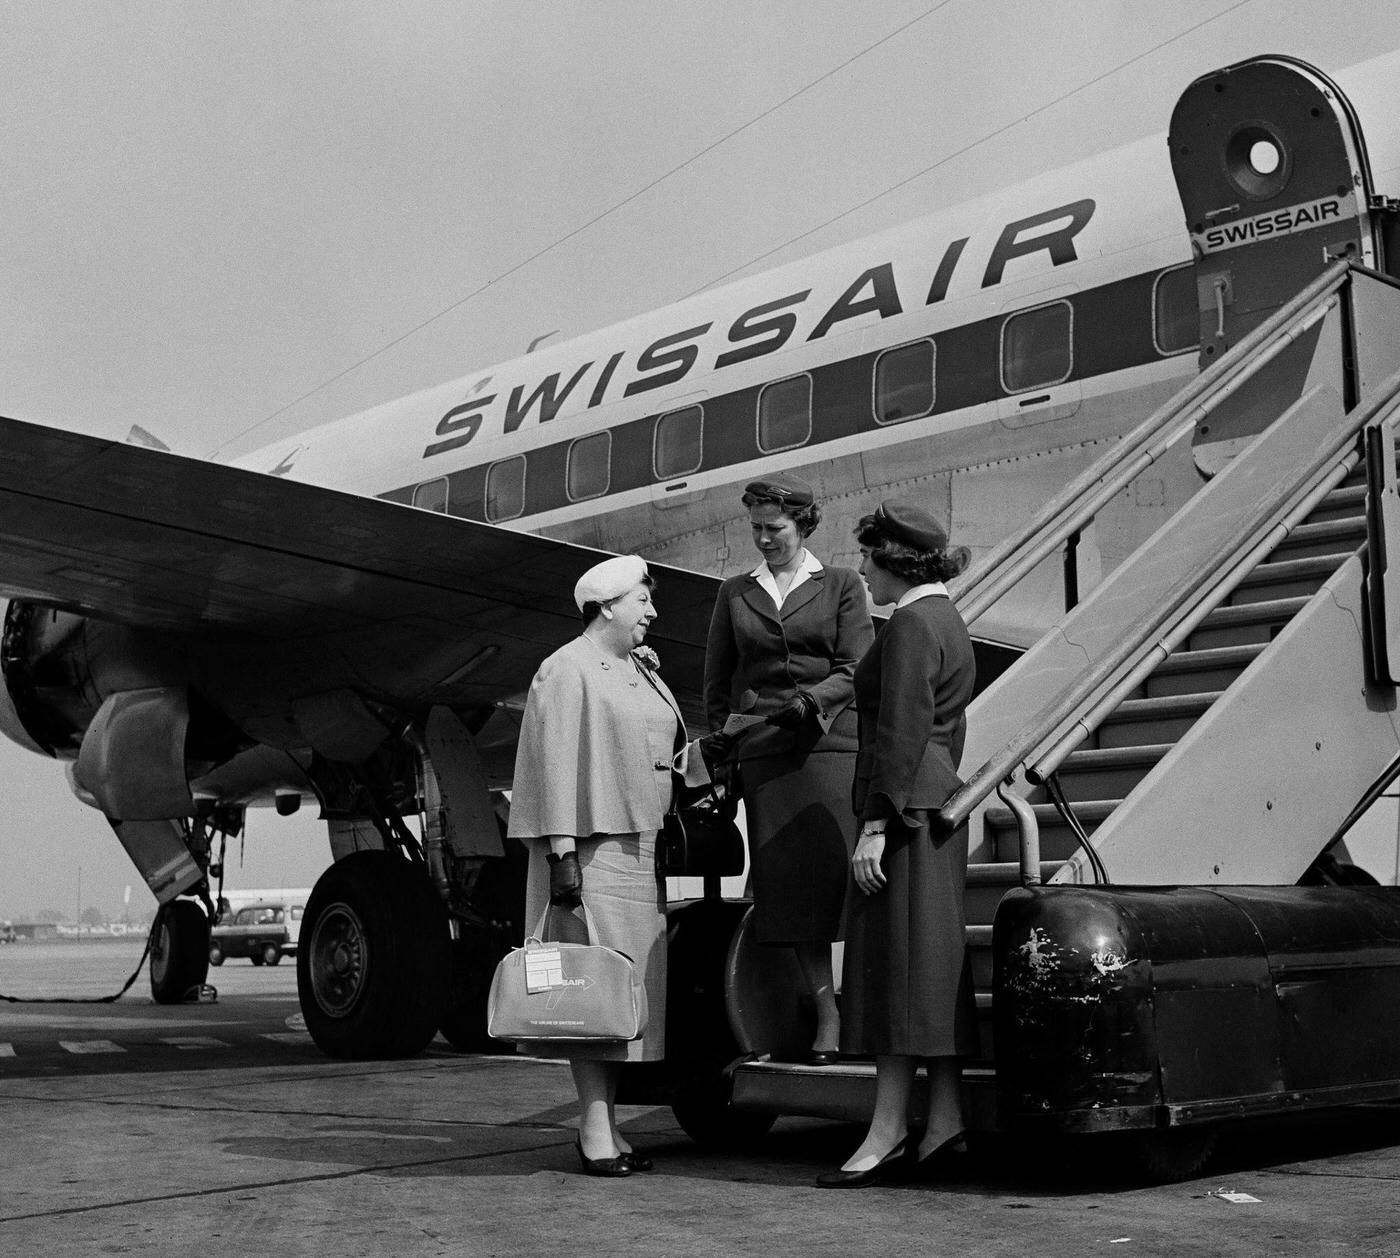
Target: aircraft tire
column 700, row 941
column 499, row 898
column 179, row 951
column 373, row 965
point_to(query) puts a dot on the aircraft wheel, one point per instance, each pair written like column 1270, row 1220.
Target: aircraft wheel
column 373, row 965
column 179, row 951
column 216, row 954
column 702, row 943
column 271, row 954
column 499, row 897
column 463, row 1020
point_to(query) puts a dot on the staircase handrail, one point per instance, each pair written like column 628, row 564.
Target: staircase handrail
column 1082, row 498
column 1059, row 714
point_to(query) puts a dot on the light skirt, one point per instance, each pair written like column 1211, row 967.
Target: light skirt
column 628, row 906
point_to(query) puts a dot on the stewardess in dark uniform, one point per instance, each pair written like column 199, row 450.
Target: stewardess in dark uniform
column 783, row 643
column 907, row 992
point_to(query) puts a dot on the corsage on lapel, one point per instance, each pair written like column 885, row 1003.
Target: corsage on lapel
column 647, row 658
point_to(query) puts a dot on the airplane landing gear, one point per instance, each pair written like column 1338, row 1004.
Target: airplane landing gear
column 179, row 951
column 373, row 963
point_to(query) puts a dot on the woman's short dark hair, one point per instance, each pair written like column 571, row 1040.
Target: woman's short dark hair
column 806, row 517
column 590, row 610
column 922, row 567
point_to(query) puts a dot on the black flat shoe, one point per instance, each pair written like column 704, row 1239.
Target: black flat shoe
column 637, row 1161
column 821, row 1057
column 885, row 1169
column 605, row 1168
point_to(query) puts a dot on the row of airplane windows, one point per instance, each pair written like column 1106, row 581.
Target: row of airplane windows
column 1036, row 352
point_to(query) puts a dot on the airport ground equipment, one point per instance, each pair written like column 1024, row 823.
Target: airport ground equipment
column 1150, row 784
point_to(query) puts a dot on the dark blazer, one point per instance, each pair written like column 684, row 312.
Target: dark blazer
column 912, row 687
column 811, row 644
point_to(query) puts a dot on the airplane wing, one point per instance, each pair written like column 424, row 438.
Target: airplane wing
column 298, row 582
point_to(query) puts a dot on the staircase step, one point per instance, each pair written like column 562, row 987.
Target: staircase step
column 1191, row 672
column 988, row 881
column 1006, row 874
column 1322, row 538
column 1057, row 840
column 1138, row 722
column 1289, row 578
column 1108, row 772
column 1253, row 622
column 1349, row 500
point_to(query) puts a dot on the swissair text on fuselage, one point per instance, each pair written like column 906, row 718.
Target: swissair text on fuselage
column 759, row 330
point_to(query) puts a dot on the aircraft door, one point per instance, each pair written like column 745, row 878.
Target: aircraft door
column 1271, row 167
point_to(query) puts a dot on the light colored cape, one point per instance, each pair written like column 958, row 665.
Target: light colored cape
column 583, row 765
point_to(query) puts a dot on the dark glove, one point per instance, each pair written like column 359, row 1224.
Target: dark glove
column 795, row 712
column 715, row 749
column 565, row 880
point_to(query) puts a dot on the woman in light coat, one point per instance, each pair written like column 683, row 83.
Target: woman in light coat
column 593, row 779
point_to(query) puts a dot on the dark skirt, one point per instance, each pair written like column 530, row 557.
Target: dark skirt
column 907, row 984
column 797, row 806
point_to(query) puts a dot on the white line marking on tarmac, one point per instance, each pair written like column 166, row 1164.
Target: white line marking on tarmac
column 90, row 1046
column 192, row 1041
column 7, row 1050
column 287, row 1037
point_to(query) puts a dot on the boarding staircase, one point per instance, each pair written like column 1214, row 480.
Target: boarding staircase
column 1215, row 709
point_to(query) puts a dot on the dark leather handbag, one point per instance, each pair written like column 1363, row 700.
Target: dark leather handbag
column 699, row 839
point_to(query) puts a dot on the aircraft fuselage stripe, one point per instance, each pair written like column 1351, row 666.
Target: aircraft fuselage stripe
column 1112, row 332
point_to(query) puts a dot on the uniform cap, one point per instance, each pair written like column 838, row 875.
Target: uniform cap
column 907, row 522
column 789, row 491
column 610, row 579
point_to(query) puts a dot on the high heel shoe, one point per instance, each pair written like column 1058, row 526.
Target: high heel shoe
column 637, row 1161
column 605, row 1168
column 884, row 1169
column 947, row 1158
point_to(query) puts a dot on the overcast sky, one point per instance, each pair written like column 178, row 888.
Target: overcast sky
column 228, row 221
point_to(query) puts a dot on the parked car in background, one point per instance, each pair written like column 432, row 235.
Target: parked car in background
column 264, row 933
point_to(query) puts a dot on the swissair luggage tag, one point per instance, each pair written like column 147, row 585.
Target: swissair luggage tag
column 544, row 969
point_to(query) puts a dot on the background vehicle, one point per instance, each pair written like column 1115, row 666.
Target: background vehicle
column 264, row 933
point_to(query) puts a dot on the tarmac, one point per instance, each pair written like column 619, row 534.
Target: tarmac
column 133, row 1128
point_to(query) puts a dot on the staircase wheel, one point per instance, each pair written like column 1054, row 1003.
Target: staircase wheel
column 1172, row 1154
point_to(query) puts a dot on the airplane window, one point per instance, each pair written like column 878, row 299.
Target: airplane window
column 677, row 446
column 589, row 459
column 904, row 383
column 1175, row 323
column 505, row 489
column 432, row 495
column 1037, row 347
column 785, row 414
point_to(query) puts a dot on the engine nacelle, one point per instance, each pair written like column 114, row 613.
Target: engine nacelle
column 114, row 701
